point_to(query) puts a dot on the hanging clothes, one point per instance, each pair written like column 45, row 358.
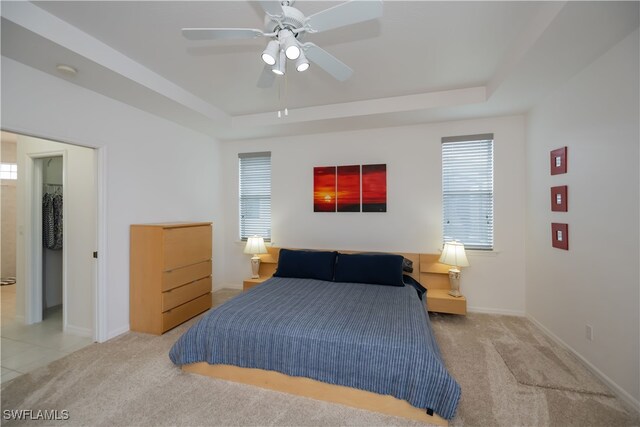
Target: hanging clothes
column 48, row 235
column 57, row 220
column 52, row 221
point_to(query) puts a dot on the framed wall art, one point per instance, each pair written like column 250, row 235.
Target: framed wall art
column 560, row 236
column 348, row 188
column 559, row 201
column 374, row 188
column 324, row 189
column 559, row 161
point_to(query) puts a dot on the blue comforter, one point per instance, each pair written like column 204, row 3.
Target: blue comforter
column 369, row 337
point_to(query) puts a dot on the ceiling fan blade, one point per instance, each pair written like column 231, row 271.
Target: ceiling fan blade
column 273, row 8
column 323, row 59
column 221, row 33
column 348, row 13
column 266, row 78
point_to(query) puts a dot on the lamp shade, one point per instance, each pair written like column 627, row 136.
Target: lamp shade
column 255, row 245
column 280, row 65
column 270, row 53
column 453, row 254
column 289, row 44
column 302, row 64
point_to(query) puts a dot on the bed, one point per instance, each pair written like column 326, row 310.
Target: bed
column 360, row 344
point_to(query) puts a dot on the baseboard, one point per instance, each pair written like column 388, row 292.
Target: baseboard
column 619, row 391
column 227, row 286
column 502, row 311
column 116, row 332
column 76, row 330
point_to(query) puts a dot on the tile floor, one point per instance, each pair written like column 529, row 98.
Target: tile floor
column 24, row 348
column 28, row 347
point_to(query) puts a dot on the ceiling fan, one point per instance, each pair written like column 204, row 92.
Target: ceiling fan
column 286, row 27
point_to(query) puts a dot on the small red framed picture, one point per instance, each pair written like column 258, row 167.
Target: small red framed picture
column 559, row 199
column 560, row 236
column 559, row 161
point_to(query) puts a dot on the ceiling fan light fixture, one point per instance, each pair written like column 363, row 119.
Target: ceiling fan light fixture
column 290, row 44
column 293, row 52
column 302, row 63
column 270, row 53
column 279, row 67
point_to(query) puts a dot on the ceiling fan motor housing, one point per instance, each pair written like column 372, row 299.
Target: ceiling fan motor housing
column 293, row 19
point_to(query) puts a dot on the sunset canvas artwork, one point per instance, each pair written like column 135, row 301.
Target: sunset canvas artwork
column 348, row 193
column 374, row 188
column 324, row 189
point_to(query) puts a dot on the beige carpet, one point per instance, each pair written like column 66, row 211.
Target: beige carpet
column 130, row 381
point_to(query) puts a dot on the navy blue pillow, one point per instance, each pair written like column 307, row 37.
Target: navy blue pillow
column 375, row 269
column 306, row 264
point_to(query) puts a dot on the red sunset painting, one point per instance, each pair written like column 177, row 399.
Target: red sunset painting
column 324, row 189
column 374, row 188
column 348, row 188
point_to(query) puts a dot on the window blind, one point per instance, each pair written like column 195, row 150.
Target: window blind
column 255, row 195
column 467, row 190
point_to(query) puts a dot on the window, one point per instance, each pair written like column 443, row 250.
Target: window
column 255, row 195
column 467, row 190
column 8, row 171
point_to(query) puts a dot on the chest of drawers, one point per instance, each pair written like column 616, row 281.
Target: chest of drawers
column 170, row 274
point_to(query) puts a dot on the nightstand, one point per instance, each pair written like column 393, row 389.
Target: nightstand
column 250, row 283
column 439, row 300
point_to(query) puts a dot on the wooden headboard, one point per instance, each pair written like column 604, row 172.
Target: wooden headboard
column 426, row 268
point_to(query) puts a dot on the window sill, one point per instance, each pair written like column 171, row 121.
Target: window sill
column 477, row 253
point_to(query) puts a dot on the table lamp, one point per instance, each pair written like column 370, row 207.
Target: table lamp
column 453, row 254
column 255, row 246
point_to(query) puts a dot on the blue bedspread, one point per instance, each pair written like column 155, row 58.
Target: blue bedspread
column 369, row 337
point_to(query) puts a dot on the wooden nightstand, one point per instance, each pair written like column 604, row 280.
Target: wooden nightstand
column 250, row 283
column 439, row 300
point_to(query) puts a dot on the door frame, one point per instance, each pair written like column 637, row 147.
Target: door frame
column 33, row 236
column 100, row 330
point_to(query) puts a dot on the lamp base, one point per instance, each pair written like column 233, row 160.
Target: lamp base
column 255, row 267
column 454, row 282
column 456, row 294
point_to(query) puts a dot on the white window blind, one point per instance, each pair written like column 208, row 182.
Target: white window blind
column 467, row 190
column 255, row 195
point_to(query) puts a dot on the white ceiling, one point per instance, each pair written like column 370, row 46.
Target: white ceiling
column 421, row 61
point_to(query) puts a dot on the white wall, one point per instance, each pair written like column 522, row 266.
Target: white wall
column 596, row 282
column 413, row 219
column 154, row 170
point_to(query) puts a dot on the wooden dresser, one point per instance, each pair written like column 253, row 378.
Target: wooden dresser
column 170, row 274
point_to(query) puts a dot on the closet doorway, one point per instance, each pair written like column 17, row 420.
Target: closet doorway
column 56, row 236
column 67, row 173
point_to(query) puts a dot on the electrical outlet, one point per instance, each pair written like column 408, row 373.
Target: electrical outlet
column 588, row 332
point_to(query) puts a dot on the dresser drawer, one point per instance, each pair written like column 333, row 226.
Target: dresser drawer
column 179, row 276
column 186, row 246
column 184, row 312
column 186, row 293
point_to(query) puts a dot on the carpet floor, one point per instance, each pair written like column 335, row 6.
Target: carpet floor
column 131, row 381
